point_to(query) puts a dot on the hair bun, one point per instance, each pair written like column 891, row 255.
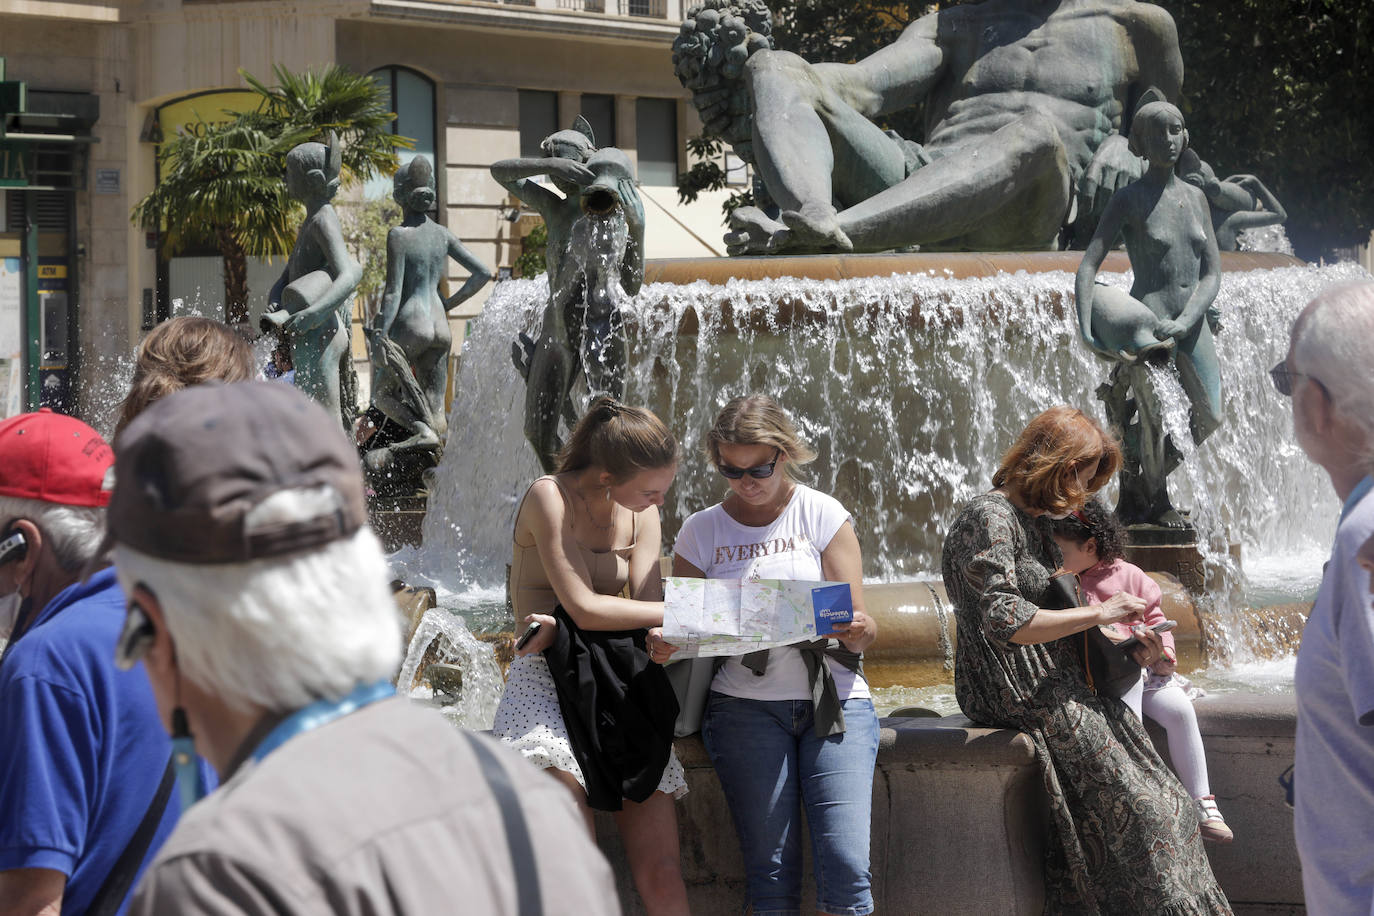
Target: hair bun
column 607, row 408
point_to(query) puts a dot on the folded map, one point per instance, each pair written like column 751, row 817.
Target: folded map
column 738, row 616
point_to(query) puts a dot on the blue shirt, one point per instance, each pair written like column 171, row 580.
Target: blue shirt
column 1333, row 776
column 82, row 750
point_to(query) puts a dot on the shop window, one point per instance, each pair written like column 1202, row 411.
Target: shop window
column 656, row 140
column 412, row 99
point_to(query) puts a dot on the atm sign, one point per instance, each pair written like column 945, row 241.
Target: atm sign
column 52, row 271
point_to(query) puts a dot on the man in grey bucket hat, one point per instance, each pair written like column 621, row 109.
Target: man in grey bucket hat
column 260, row 608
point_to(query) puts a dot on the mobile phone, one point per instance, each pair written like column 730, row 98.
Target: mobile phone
column 1131, row 642
column 526, row 636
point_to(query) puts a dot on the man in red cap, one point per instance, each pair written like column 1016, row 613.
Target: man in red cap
column 84, row 763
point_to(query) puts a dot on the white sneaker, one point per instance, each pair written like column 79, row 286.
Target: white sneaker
column 1212, row 825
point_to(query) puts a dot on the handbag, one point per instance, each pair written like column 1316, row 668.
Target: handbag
column 1109, row 669
column 691, row 679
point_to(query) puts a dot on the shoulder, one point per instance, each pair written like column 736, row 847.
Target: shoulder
column 75, row 646
column 705, row 517
column 547, row 497
column 986, row 510
column 821, row 509
column 1148, row 17
column 1138, row 581
column 700, row 523
column 294, row 825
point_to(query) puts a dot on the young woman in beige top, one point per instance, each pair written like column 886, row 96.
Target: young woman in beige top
column 587, row 539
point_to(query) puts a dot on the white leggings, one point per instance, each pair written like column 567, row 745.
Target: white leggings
column 1171, row 708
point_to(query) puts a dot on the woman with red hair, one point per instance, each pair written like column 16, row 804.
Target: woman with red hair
column 1125, row 832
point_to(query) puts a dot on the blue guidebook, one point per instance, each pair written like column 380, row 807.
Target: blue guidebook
column 833, row 605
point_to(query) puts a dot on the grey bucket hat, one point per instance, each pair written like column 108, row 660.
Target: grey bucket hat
column 231, row 473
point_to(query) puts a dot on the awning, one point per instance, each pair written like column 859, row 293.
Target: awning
column 672, row 230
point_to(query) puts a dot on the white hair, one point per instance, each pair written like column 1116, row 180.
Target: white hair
column 73, row 533
column 1334, row 339
column 277, row 634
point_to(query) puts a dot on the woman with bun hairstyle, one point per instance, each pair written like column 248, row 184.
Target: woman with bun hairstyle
column 777, row 748
column 582, row 699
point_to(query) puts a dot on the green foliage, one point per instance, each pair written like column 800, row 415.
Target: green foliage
column 214, row 180
column 531, row 261
column 1284, row 90
column 352, row 105
column 224, row 185
column 365, row 227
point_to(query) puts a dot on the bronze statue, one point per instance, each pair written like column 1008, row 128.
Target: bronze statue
column 1168, row 231
column 1025, row 110
column 309, row 303
column 409, row 338
column 1238, row 203
column 595, row 252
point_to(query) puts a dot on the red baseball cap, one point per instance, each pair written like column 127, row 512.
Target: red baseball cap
column 54, row 458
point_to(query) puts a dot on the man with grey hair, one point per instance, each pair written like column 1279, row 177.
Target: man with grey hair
column 260, row 608
column 85, row 767
column 1328, row 375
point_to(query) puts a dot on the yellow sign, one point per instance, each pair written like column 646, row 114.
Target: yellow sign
column 189, row 115
column 52, row 271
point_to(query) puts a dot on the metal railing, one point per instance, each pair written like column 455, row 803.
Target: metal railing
column 648, row 9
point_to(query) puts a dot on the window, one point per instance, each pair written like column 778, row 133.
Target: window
column 412, row 98
column 656, row 138
column 599, row 110
column 538, row 119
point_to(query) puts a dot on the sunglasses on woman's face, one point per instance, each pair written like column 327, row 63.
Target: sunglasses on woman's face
column 758, row 472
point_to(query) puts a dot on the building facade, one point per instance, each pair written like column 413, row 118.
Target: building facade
column 471, row 81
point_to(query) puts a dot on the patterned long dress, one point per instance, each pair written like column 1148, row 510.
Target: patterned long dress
column 1124, row 835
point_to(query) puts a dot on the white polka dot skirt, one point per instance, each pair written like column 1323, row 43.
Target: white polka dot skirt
column 529, row 720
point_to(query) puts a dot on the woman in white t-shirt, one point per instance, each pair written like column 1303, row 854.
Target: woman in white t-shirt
column 776, row 749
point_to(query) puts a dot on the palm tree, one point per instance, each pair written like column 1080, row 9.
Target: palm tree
column 222, row 185
column 352, row 105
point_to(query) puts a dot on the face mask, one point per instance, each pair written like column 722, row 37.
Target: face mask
column 10, row 606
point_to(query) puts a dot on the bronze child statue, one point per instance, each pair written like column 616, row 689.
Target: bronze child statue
column 309, row 303
column 409, row 337
column 595, row 251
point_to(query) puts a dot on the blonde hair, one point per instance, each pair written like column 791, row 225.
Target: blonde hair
column 758, row 420
column 181, row 352
column 620, row 440
column 1041, row 468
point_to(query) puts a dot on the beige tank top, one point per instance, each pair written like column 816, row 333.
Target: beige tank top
column 530, row 591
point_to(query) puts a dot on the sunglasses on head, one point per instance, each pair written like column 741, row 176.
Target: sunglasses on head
column 758, row 472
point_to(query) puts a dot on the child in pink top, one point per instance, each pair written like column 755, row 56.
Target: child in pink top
column 1092, row 541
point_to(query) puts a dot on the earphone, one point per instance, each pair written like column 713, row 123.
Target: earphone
column 14, row 546
column 135, row 639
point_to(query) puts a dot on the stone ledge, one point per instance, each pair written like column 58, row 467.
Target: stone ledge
column 948, row 795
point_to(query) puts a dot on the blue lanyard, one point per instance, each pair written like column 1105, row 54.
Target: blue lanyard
column 322, row 712
column 1361, row 490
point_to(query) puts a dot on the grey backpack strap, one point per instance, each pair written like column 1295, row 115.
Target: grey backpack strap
column 528, row 898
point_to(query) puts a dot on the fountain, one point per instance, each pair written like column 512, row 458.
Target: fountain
column 910, row 373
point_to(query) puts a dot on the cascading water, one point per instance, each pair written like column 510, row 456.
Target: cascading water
column 910, row 387
column 443, row 638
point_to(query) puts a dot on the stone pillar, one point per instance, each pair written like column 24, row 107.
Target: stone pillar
column 569, row 107
column 626, row 128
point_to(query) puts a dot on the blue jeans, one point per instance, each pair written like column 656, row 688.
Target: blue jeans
column 770, row 763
